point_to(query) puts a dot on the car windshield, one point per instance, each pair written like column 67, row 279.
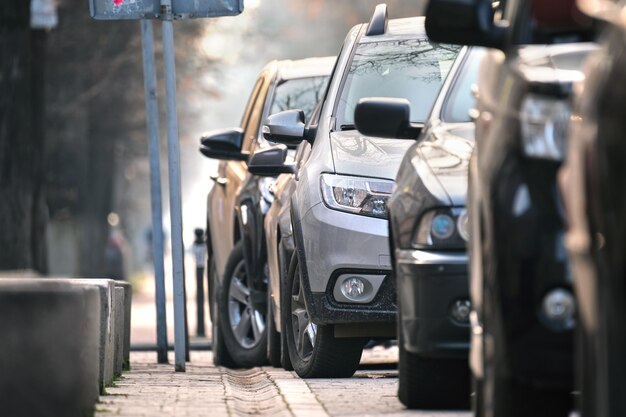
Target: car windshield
column 461, row 99
column 299, row 93
column 413, row 69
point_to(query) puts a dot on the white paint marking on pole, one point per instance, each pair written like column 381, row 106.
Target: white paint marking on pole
column 175, row 187
column 152, row 119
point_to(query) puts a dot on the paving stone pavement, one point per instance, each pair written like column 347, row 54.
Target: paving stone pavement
column 151, row 390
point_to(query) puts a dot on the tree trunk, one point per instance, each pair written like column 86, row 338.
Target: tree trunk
column 22, row 220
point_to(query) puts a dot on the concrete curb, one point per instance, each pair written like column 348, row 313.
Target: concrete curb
column 118, row 333
column 128, row 300
column 49, row 345
column 106, row 289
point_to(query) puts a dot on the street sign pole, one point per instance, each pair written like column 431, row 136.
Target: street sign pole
column 166, row 11
column 152, row 117
column 176, row 217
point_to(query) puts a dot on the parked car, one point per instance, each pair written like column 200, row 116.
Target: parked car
column 523, row 307
column 428, row 235
column 339, row 290
column 593, row 190
column 235, row 208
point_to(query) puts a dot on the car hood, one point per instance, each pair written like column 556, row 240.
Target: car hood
column 446, row 153
column 356, row 154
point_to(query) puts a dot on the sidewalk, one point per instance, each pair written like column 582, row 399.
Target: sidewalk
column 153, row 390
column 204, row 390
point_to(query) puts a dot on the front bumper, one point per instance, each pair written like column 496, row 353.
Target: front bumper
column 332, row 244
column 429, row 283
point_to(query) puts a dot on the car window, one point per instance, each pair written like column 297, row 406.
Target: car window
column 251, row 129
column 251, row 101
column 461, row 99
column 413, row 69
column 299, row 93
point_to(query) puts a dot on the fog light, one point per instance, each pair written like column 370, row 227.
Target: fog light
column 559, row 309
column 460, row 311
column 353, row 287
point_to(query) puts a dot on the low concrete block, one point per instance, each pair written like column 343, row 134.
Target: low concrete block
column 106, row 288
column 106, row 360
column 49, row 347
column 128, row 300
column 118, row 332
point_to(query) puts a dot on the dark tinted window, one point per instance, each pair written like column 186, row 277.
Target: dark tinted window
column 413, row 69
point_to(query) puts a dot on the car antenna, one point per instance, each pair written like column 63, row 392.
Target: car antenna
column 378, row 23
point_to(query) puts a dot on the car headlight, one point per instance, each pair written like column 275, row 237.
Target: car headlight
column 446, row 228
column 365, row 196
column 544, row 125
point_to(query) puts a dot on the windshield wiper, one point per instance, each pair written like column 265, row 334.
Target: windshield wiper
column 347, row 127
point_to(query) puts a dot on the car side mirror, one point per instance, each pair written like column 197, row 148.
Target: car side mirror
column 224, row 144
column 464, row 22
column 385, row 118
column 270, row 162
column 286, row 127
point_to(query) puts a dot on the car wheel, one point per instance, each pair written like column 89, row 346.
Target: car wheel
column 273, row 336
column 243, row 323
column 431, row 383
column 313, row 349
column 221, row 356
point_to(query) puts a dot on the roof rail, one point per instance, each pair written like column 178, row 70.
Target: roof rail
column 378, row 23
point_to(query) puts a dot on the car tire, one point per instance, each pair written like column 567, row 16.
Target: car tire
column 431, row 383
column 243, row 326
column 316, row 353
column 221, row 357
column 273, row 336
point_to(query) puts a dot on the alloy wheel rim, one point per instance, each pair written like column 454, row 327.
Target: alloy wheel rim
column 304, row 331
column 247, row 323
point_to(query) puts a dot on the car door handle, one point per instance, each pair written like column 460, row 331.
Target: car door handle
column 219, row 180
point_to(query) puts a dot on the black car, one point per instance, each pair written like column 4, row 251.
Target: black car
column 428, row 235
column 236, row 206
column 523, row 307
column 593, row 189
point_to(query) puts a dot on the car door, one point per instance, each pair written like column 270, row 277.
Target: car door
column 231, row 175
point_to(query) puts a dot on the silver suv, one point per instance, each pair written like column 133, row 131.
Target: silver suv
column 340, row 290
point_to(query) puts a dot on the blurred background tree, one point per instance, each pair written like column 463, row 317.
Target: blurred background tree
column 22, row 208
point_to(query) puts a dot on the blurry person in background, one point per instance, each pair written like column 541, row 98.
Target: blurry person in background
column 114, row 255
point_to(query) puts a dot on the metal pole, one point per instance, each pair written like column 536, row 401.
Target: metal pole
column 152, row 117
column 200, row 300
column 175, row 186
